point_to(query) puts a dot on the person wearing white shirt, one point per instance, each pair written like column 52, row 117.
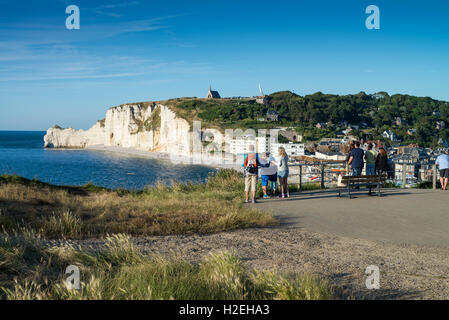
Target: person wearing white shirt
column 443, row 165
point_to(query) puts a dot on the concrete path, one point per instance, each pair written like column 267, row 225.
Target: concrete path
column 401, row 216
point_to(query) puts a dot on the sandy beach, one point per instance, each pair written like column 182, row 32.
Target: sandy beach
column 166, row 157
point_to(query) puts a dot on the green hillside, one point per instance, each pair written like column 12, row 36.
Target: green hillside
column 374, row 114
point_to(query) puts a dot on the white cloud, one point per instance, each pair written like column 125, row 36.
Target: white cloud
column 69, row 77
column 118, row 5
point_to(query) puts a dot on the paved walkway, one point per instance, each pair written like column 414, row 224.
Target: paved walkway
column 401, row 216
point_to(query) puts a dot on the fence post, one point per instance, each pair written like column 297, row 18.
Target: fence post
column 322, row 176
column 434, row 177
column 300, row 178
column 404, row 175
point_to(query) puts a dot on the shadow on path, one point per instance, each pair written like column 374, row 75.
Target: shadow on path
column 332, row 194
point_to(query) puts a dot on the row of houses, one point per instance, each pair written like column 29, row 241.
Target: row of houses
column 417, row 162
column 400, row 122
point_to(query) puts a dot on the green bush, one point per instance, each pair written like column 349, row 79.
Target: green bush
column 427, row 185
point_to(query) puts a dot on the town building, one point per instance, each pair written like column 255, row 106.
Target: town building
column 272, row 115
column 336, row 156
column 291, row 135
column 411, row 132
column 440, row 125
column 443, row 143
column 240, row 145
column 262, row 100
column 378, row 96
column 388, row 134
column 292, row 149
column 399, row 121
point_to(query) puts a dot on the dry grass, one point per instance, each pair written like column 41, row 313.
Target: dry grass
column 79, row 212
column 29, row 270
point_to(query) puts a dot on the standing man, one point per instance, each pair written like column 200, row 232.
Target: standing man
column 370, row 158
column 251, row 164
column 356, row 160
column 443, row 165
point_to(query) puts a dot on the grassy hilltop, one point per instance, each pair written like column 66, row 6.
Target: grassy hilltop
column 375, row 113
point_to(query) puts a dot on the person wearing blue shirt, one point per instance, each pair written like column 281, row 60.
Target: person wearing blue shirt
column 356, row 160
column 443, row 165
column 268, row 174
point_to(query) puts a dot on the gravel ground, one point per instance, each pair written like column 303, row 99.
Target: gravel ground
column 406, row 271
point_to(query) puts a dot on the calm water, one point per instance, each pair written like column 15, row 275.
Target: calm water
column 22, row 153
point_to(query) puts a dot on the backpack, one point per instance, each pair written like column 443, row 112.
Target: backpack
column 251, row 163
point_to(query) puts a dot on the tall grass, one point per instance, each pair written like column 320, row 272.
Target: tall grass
column 30, row 270
column 65, row 225
column 79, row 212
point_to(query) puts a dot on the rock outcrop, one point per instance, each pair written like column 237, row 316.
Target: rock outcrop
column 148, row 127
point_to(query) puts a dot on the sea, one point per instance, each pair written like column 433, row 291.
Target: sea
column 22, row 153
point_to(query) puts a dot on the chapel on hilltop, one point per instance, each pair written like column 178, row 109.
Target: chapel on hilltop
column 212, row 94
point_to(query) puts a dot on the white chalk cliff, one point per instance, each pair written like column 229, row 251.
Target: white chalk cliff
column 147, row 127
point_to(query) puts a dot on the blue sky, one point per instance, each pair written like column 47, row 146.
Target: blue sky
column 129, row 51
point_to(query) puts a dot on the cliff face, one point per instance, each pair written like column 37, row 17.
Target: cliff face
column 148, row 128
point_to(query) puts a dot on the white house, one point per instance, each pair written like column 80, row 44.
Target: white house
column 292, row 149
column 388, row 134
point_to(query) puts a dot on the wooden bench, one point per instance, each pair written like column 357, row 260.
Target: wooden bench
column 356, row 182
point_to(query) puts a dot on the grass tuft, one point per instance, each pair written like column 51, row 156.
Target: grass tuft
column 65, row 225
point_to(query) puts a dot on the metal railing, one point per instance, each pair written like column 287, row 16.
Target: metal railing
column 326, row 174
column 429, row 176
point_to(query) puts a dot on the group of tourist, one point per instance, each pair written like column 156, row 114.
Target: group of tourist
column 271, row 170
column 376, row 162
